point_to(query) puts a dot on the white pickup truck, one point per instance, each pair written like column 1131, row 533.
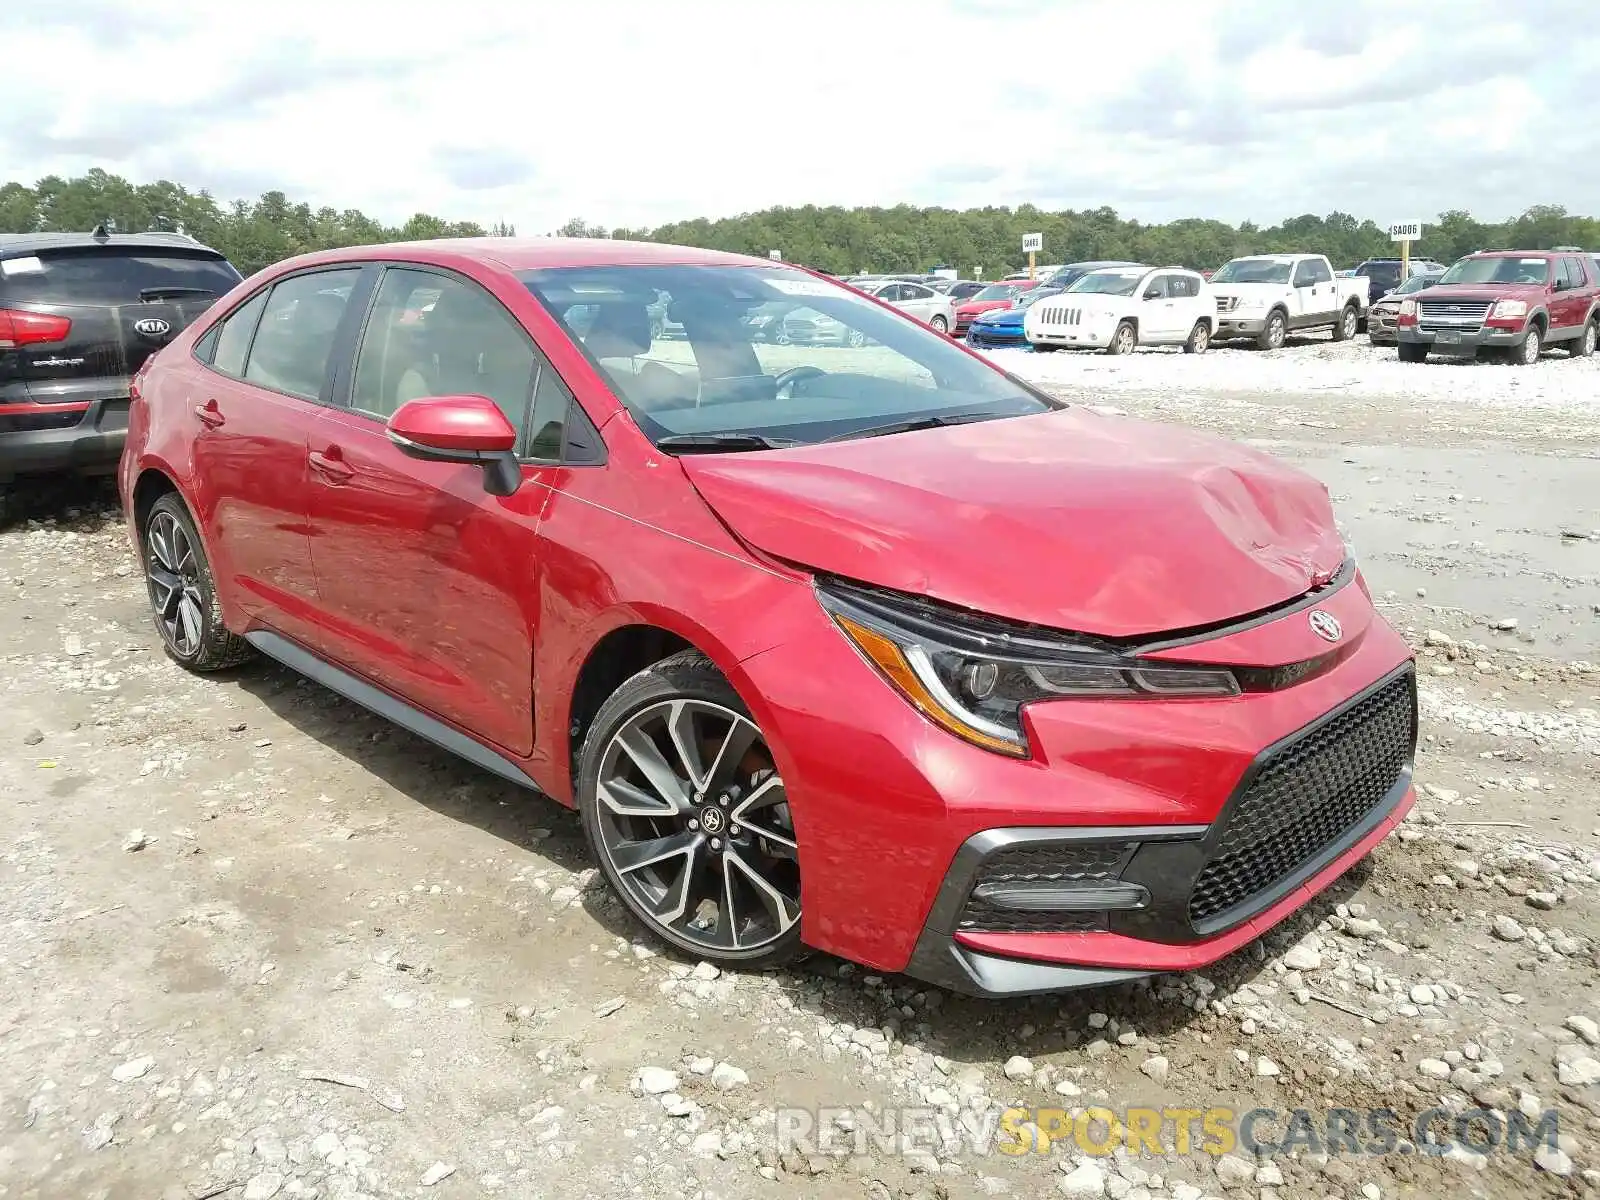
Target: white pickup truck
column 1266, row 296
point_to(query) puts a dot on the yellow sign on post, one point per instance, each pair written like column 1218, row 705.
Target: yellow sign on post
column 1032, row 243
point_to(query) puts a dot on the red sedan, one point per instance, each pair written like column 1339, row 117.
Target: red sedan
column 867, row 647
column 991, row 297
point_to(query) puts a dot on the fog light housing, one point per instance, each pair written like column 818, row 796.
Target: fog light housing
column 1052, row 888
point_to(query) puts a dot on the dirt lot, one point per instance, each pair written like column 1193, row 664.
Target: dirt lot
column 259, row 943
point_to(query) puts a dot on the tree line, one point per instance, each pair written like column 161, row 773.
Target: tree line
column 977, row 242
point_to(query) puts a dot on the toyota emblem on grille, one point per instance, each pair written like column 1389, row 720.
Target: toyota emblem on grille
column 153, row 327
column 1325, row 625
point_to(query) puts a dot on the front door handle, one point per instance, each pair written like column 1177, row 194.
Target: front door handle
column 331, row 465
column 210, row 414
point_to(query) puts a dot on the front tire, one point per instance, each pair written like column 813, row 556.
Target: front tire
column 1124, row 340
column 688, row 818
column 1528, row 349
column 1349, row 321
column 183, row 594
column 1273, row 333
column 1199, row 339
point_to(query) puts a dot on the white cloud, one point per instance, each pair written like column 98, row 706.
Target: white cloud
column 630, row 112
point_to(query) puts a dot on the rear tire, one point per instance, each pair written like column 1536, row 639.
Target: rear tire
column 1347, row 325
column 1583, row 345
column 1274, row 332
column 1124, row 340
column 1199, row 339
column 939, row 325
column 183, row 594
column 1413, row 352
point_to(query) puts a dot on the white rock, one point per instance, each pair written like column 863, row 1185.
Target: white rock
column 704, row 971
column 726, row 1077
column 1234, row 1171
column 1266, row 1068
column 607, row 1007
column 1507, row 929
column 1421, row 994
column 1579, row 1071
column 1371, row 1191
column 654, row 1081
column 132, row 1069
column 1556, row 1160
column 1068, row 1089
column 1268, row 1174
column 1156, row 1067
column 263, row 1186
column 1086, row 1179
column 1018, row 1067
column 1434, row 1068
column 707, row 1145
column 1302, row 957
column 437, row 1173
column 137, row 839
column 1585, row 1028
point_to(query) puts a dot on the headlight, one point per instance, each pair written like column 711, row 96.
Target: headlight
column 971, row 675
column 1510, row 309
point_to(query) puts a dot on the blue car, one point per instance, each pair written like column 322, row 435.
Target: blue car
column 1003, row 326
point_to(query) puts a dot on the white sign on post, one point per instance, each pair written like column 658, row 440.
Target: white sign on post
column 1405, row 231
column 1032, row 243
column 775, row 255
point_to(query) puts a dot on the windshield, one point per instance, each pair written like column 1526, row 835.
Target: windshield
column 1500, row 269
column 998, row 291
column 1253, row 270
column 825, row 363
column 1109, row 283
column 1035, row 296
column 1415, row 284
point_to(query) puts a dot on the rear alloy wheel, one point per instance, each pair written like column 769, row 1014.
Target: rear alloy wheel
column 1349, row 322
column 183, row 597
column 687, row 815
column 939, row 324
column 1527, row 351
column 1583, row 345
column 1123, row 340
column 1199, row 339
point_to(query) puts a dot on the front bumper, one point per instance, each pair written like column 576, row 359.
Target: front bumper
column 1382, row 327
column 1082, row 337
column 41, row 439
column 886, row 805
column 1238, row 325
column 1461, row 341
column 979, row 335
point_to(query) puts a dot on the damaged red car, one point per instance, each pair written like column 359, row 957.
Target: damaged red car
column 867, row 647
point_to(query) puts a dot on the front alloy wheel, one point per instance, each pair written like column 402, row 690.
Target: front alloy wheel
column 689, row 818
column 183, row 595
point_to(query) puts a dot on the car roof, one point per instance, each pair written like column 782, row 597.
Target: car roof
column 529, row 254
column 13, row 245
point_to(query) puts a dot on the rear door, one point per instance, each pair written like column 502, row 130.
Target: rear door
column 1569, row 306
column 120, row 304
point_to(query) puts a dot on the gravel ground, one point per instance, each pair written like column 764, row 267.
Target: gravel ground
column 261, row 944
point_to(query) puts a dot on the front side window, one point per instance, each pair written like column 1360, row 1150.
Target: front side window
column 1500, row 268
column 295, row 339
column 769, row 353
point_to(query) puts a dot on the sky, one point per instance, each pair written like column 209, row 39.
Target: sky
column 633, row 113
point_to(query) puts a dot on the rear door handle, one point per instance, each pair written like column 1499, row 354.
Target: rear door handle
column 331, row 466
column 210, row 414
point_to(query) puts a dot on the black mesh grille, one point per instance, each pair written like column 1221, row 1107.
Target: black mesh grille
column 1307, row 796
column 1043, row 864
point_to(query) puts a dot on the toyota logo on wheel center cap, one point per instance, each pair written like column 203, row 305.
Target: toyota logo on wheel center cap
column 711, row 820
column 1325, row 625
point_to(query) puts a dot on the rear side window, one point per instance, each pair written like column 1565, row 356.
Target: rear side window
column 1182, row 287
column 116, row 275
column 1575, row 270
column 298, row 326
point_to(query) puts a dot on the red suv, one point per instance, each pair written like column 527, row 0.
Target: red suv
column 1518, row 301
column 868, row 647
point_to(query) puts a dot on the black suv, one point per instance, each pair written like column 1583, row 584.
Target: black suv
column 79, row 314
column 1383, row 274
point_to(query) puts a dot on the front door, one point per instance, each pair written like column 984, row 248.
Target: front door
column 266, row 369
column 1156, row 319
column 429, row 586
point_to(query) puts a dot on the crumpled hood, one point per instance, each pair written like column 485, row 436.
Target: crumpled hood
column 1069, row 519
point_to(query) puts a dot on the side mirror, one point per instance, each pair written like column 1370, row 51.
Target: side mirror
column 1152, row 294
column 460, row 429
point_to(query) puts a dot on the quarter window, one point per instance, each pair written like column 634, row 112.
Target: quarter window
column 434, row 335
column 234, row 336
column 298, row 326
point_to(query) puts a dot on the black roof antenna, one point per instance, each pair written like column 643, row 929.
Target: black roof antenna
column 100, row 233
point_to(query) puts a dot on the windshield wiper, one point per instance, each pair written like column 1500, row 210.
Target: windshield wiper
column 172, row 293
column 915, row 423
column 720, row 443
